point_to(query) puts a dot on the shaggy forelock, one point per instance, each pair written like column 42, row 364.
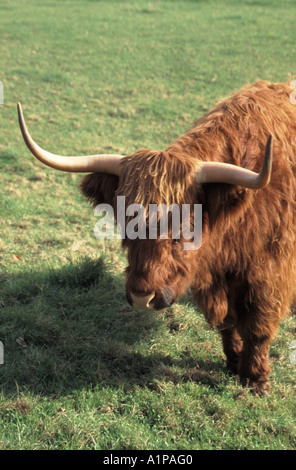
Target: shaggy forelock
column 157, row 178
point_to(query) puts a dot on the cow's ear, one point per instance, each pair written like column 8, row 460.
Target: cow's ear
column 225, row 203
column 99, row 188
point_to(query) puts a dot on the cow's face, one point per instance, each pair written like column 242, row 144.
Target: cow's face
column 159, row 267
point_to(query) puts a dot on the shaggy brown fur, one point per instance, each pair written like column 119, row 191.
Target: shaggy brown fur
column 243, row 275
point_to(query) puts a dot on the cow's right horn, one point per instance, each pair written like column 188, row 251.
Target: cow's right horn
column 102, row 163
column 217, row 172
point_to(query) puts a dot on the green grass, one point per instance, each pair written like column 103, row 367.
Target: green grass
column 82, row 370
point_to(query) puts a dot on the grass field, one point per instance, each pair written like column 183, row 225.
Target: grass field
column 82, row 370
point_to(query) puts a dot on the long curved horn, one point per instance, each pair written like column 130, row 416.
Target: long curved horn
column 215, row 172
column 90, row 163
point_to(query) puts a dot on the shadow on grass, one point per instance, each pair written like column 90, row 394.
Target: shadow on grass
column 70, row 328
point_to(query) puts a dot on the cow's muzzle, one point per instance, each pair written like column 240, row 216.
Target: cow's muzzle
column 152, row 301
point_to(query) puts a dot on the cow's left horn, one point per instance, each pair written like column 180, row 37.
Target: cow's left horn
column 103, row 163
column 216, row 172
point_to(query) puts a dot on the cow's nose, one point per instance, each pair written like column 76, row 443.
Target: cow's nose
column 143, row 302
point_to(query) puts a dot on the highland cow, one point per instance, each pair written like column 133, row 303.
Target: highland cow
column 243, row 275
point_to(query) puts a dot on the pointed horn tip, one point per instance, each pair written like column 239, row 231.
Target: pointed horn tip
column 269, row 150
column 19, row 110
column 270, row 140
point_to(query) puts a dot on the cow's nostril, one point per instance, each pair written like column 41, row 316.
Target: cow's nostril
column 145, row 302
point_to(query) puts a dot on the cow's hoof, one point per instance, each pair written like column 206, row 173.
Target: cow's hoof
column 259, row 388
